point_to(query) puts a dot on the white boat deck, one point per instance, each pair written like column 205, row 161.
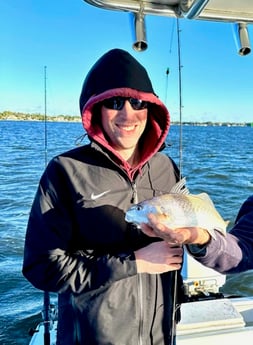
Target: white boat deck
column 212, row 322
column 222, row 321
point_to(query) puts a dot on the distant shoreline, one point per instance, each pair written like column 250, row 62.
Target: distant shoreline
column 15, row 116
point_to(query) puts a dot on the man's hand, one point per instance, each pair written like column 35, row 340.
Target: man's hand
column 192, row 235
column 158, row 257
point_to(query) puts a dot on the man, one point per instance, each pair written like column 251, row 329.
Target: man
column 115, row 285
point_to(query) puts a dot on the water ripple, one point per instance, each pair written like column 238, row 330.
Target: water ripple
column 216, row 160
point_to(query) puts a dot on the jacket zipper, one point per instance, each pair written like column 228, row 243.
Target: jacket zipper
column 134, row 199
column 140, row 342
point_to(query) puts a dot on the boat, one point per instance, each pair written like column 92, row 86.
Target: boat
column 207, row 316
column 239, row 13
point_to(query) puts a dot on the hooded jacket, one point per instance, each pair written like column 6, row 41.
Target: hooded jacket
column 117, row 73
column 78, row 243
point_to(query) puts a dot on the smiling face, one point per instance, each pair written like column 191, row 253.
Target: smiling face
column 124, row 128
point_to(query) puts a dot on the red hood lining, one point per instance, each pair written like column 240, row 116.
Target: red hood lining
column 159, row 122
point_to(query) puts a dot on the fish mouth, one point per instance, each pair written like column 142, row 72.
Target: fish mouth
column 128, row 218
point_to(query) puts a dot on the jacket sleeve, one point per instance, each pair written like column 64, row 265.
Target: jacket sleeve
column 50, row 263
column 234, row 252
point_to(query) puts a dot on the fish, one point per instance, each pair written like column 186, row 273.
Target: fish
column 179, row 209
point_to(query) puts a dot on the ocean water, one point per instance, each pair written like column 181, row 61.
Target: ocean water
column 216, row 160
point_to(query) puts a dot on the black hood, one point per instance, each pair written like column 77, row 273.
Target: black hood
column 117, row 73
column 115, row 69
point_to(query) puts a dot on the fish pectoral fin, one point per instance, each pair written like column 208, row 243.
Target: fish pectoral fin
column 163, row 217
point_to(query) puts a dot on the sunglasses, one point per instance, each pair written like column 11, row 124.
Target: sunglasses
column 117, row 103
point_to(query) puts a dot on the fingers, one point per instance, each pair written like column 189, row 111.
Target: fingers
column 156, row 229
column 158, row 257
column 159, row 230
column 147, row 230
column 190, row 235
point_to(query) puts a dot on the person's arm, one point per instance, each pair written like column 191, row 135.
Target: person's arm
column 227, row 254
column 158, row 257
column 49, row 264
column 222, row 254
column 234, row 252
column 191, row 235
column 52, row 260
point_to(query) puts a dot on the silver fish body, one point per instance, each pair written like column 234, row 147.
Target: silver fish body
column 179, row 209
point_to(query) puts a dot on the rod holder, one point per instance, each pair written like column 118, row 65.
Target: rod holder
column 242, row 38
column 140, row 42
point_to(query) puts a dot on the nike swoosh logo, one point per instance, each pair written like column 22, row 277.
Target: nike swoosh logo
column 97, row 196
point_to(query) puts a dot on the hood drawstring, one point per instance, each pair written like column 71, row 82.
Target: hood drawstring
column 150, row 179
column 80, row 139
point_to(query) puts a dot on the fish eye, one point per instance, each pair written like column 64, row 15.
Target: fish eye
column 138, row 207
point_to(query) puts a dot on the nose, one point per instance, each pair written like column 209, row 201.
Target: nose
column 127, row 109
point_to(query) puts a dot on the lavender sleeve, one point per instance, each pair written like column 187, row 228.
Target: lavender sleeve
column 232, row 253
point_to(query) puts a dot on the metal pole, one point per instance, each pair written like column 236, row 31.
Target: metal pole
column 45, row 114
column 180, row 100
column 176, row 273
column 46, row 302
column 46, row 315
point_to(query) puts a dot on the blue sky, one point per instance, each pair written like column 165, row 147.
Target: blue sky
column 68, row 36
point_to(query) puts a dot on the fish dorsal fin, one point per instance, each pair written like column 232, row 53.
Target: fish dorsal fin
column 180, row 187
column 206, row 197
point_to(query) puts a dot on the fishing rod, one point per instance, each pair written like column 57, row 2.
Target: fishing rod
column 46, row 297
column 180, row 164
column 45, row 114
column 180, row 100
